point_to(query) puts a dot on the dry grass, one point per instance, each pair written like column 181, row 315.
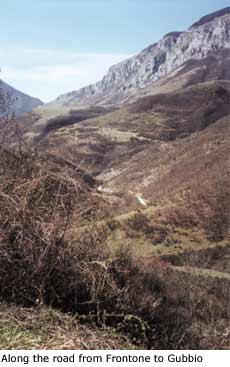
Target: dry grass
column 46, row 328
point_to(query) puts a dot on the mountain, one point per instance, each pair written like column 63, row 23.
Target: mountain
column 179, row 60
column 128, row 78
column 18, row 102
column 148, row 144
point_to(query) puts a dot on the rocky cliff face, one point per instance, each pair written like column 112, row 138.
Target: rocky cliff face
column 209, row 34
column 18, row 102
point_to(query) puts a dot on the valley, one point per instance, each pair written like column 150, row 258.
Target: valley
column 124, row 185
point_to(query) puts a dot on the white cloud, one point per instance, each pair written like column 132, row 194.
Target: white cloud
column 48, row 73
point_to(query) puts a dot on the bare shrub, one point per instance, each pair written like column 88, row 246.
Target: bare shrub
column 205, row 206
column 36, row 204
column 156, row 232
column 217, row 225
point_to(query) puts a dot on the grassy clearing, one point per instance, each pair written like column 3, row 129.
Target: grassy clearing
column 208, row 273
column 112, row 133
column 176, row 244
column 178, row 241
column 118, row 135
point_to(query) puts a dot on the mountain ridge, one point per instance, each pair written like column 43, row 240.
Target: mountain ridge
column 211, row 16
column 130, row 76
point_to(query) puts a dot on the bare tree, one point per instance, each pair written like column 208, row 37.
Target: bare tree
column 10, row 132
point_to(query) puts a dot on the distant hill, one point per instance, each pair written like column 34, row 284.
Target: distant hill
column 19, row 101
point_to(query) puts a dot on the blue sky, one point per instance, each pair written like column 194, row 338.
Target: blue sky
column 49, row 47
